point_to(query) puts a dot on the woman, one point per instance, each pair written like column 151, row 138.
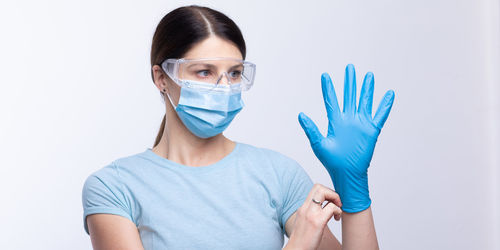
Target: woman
column 196, row 189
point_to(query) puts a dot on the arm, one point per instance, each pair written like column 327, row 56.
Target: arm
column 107, row 216
column 328, row 240
column 307, row 228
column 358, row 230
column 109, row 231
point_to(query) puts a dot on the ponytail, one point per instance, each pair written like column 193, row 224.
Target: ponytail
column 160, row 132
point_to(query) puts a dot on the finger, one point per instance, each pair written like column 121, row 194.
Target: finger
column 330, row 210
column 331, row 195
column 310, row 128
column 366, row 96
column 337, row 217
column 349, row 90
column 383, row 109
column 329, row 97
column 324, row 193
column 311, row 195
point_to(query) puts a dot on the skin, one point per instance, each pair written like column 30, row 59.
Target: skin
column 307, row 227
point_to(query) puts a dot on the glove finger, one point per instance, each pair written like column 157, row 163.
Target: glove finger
column 350, row 90
column 330, row 98
column 310, row 128
column 366, row 96
column 384, row 108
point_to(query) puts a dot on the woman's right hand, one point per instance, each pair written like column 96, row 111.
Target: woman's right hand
column 347, row 149
column 311, row 218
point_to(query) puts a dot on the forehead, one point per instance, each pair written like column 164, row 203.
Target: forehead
column 214, row 46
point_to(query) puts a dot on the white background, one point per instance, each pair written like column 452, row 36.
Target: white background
column 76, row 93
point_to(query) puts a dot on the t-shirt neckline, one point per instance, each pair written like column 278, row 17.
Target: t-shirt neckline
column 148, row 153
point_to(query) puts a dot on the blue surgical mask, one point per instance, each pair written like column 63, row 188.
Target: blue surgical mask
column 207, row 113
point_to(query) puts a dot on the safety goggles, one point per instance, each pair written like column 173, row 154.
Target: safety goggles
column 218, row 73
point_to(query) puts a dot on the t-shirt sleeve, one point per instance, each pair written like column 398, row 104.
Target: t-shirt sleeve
column 103, row 193
column 296, row 185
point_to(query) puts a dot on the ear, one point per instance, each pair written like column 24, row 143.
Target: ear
column 160, row 78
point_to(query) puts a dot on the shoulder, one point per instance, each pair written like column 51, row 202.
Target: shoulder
column 123, row 164
column 102, row 175
column 112, row 172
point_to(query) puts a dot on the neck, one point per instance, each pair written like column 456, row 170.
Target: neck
column 178, row 144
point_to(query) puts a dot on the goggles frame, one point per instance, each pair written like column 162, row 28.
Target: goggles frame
column 171, row 67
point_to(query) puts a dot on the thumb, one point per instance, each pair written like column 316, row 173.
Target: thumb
column 310, row 128
column 384, row 108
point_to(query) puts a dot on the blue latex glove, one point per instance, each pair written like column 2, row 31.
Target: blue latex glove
column 347, row 149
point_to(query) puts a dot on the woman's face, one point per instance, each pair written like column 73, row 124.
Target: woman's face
column 211, row 47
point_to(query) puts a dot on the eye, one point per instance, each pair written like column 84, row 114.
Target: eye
column 235, row 74
column 203, row 73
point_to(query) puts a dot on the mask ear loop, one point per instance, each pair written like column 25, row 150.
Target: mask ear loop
column 168, row 96
column 176, row 66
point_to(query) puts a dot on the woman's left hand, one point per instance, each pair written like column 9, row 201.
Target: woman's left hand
column 312, row 218
column 348, row 148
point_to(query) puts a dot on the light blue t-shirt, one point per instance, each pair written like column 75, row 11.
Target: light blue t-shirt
column 239, row 202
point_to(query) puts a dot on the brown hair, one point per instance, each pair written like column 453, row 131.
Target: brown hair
column 182, row 28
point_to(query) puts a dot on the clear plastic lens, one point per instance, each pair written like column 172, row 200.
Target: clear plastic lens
column 220, row 72
column 210, row 73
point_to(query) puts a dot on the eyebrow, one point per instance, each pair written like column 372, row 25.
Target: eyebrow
column 213, row 66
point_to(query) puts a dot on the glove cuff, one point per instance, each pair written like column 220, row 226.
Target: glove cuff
column 357, row 207
column 353, row 192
